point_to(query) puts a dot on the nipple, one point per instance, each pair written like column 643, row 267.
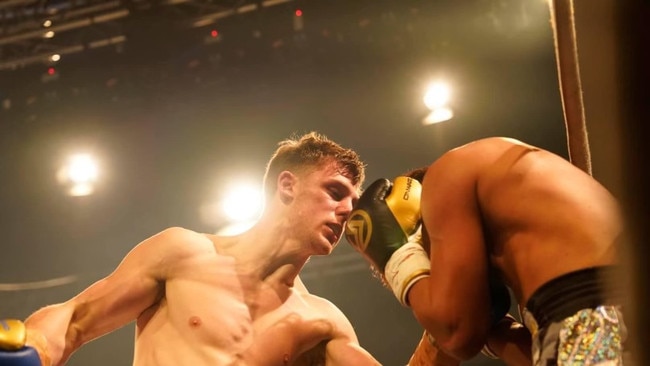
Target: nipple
column 286, row 359
column 195, row 321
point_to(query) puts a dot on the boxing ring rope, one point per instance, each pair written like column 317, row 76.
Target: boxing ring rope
column 627, row 22
column 566, row 56
column 36, row 285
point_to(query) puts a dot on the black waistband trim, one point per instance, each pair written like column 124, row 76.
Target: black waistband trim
column 565, row 295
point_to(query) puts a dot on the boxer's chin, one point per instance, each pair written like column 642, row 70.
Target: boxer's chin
column 325, row 245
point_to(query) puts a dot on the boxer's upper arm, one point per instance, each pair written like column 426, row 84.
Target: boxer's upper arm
column 112, row 302
column 456, row 309
column 344, row 348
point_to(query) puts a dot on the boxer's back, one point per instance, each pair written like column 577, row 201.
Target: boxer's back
column 543, row 217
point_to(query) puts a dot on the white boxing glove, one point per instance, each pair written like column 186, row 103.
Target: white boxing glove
column 406, row 266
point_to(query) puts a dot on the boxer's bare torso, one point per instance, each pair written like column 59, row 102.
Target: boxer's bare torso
column 501, row 205
column 220, row 315
column 539, row 227
column 201, row 299
column 531, row 211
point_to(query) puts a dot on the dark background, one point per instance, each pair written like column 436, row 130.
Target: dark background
column 172, row 117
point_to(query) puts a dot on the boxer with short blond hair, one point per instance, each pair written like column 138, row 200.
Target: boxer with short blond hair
column 202, row 299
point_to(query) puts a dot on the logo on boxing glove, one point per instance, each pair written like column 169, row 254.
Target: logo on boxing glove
column 386, row 214
column 359, row 229
column 407, row 190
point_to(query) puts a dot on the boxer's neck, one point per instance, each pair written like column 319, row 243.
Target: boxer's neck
column 266, row 255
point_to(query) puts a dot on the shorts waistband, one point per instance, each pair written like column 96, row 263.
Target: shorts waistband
column 565, row 295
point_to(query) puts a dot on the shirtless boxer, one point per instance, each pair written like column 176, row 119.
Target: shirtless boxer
column 548, row 230
column 202, row 299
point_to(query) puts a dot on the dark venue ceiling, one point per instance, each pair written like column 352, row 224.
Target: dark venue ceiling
column 173, row 108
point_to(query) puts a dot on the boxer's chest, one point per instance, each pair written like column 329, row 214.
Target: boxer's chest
column 206, row 302
column 291, row 333
column 214, row 308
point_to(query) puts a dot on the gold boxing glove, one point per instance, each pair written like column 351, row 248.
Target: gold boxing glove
column 12, row 334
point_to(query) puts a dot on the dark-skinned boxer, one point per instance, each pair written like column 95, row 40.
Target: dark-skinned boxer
column 500, row 208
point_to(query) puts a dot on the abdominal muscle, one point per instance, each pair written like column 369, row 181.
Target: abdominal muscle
column 216, row 328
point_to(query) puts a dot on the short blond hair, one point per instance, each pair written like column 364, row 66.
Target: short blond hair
column 310, row 151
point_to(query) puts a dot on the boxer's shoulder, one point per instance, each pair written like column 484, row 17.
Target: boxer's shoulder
column 174, row 251
column 182, row 242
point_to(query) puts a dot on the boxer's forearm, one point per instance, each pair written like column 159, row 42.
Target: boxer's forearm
column 511, row 342
column 49, row 331
column 426, row 354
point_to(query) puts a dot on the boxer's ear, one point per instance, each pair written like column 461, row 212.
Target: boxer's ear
column 286, row 186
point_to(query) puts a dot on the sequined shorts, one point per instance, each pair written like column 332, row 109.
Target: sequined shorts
column 576, row 321
column 589, row 337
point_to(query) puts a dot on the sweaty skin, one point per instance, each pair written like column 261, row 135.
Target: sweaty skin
column 540, row 227
column 201, row 299
column 530, row 214
column 221, row 316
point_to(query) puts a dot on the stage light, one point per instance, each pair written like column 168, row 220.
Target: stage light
column 82, row 169
column 50, row 74
column 436, row 98
column 438, row 115
column 298, row 22
column 242, row 203
column 437, row 95
column 55, row 57
column 213, row 37
column 235, row 210
column 81, row 189
column 79, row 175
